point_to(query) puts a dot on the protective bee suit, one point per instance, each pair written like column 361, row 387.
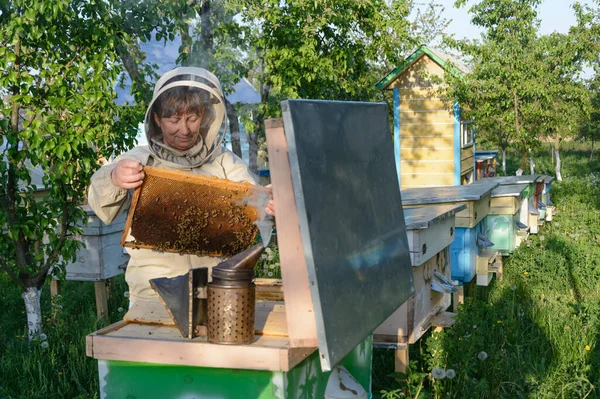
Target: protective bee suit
column 207, row 157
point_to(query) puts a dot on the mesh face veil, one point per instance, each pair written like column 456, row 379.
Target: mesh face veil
column 188, row 90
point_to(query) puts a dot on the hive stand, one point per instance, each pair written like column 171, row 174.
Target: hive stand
column 505, row 211
column 100, row 260
column 292, row 355
column 430, row 232
column 465, row 254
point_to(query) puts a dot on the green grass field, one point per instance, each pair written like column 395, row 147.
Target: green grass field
column 536, row 334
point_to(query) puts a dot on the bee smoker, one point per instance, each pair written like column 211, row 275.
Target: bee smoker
column 222, row 309
column 231, row 299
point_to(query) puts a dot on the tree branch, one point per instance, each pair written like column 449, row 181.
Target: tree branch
column 10, row 273
column 53, row 257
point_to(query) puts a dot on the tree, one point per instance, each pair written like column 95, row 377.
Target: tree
column 214, row 40
column 563, row 98
column 589, row 128
column 321, row 49
column 58, row 66
column 498, row 92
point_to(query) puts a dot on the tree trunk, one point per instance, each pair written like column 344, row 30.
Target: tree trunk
column 206, row 33
column 523, row 159
column 504, row 161
column 558, row 174
column 31, row 297
column 253, row 147
column 592, row 153
column 531, row 164
column 234, row 129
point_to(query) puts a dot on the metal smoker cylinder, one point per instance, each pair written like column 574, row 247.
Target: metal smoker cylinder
column 232, row 300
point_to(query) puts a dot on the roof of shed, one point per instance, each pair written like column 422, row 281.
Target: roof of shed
column 446, row 61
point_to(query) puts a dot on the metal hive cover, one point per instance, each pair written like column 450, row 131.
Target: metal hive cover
column 180, row 212
column 351, row 219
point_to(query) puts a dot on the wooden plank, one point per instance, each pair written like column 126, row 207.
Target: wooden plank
column 165, row 345
column 423, row 92
column 427, row 167
column 101, row 299
column 443, row 132
column 429, row 242
column 412, row 319
column 480, row 210
column 301, row 323
column 268, row 289
column 425, row 104
column 427, row 153
column 293, row 356
column 485, row 261
column 149, row 312
column 505, row 205
column 55, row 288
column 401, row 360
column 444, row 319
column 425, row 180
column 411, row 117
column 467, row 152
column 466, row 164
column 89, row 344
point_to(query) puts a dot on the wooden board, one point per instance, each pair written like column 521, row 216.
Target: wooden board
column 425, row 104
column 302, row 330
column 427, row 154
column 505, row 205
column 437, row 116
column 466, row 164
column 164, row 345
column 414, row 180
column 430, row 229
column 415, row 316
column 427, row 167
column 426, row 135
column 477, row 198
column 466, row 152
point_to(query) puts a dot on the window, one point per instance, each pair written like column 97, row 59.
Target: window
column 467, row 130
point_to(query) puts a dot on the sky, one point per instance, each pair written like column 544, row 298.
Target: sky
column 555, row 15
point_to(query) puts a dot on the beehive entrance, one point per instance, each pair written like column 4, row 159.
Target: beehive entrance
column 180, row 212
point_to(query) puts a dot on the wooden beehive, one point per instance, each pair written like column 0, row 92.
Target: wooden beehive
column 180, row 212
column 430, row 232
column 102, row 257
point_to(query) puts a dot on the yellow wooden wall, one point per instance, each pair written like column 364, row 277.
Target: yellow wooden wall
column 426, row 127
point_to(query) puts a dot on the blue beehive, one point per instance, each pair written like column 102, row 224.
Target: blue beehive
column 465, row 251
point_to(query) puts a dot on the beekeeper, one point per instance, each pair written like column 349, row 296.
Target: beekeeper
column 184, row 125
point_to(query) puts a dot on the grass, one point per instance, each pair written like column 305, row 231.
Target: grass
column 539, row 328
column 62, row 370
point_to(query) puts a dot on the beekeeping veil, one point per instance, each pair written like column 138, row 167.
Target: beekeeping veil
column 205, row 86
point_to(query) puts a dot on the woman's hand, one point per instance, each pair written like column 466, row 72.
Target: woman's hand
column 270, row 208
column 128, row 174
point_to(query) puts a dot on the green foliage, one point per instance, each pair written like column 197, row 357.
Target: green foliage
column 29, row 370
column 59, row 67
column 522, row 87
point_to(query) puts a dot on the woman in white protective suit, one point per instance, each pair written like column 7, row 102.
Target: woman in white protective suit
column 184, row 124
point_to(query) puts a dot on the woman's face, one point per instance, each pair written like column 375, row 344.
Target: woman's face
column 180, row 131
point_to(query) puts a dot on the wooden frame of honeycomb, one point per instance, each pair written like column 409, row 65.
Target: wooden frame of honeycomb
column 176, row 211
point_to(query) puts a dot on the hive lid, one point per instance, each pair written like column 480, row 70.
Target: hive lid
column 446, row 194
column 350, row 215
column 509, row 190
